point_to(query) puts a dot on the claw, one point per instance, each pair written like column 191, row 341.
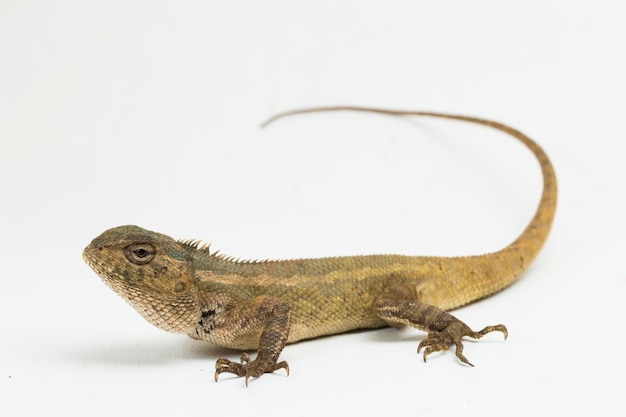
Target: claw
column 459, row 353
column 442, row 340
column 284, row 365
column 225, row 365
column 247, row 368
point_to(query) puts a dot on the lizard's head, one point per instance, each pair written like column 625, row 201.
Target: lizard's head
column 151, row 271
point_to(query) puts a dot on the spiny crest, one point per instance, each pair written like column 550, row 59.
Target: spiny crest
column 198, row 245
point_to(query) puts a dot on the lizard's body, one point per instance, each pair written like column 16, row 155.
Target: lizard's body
column 332, row 295
column 184, row 288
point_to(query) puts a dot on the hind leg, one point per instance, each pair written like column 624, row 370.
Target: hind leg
column 399, row 305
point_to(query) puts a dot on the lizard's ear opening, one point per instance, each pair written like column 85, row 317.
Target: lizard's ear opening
column 180, row 287
column 139, row 253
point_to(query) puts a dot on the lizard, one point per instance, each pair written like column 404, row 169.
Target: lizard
column 183, row 286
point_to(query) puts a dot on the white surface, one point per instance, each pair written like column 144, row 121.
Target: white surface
column 147, row 113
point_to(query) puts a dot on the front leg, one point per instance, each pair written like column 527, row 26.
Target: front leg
column 400, row 305
column 271, row 318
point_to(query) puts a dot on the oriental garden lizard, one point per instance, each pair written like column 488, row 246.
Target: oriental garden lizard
column 185, row 287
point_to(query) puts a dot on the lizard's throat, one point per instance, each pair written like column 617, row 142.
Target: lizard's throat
column 177, row 314
column 174, row 313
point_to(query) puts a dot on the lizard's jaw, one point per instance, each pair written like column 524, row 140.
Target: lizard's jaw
column 173, row 313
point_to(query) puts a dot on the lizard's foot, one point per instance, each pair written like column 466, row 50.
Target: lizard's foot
column 452, row 335
column 248, row 368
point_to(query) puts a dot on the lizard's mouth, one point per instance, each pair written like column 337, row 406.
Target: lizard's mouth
column 93, row 264
column 113, row 280
column 91, row 260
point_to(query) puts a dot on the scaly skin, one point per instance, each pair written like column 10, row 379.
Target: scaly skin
column 184, row 288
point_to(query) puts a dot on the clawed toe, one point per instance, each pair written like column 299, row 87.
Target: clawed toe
column 452, row 335
column 224, row 365
column 247, row 368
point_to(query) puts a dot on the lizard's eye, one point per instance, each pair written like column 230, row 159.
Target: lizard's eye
column 139, row 253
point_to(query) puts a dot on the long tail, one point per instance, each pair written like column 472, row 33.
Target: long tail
column 521, row 252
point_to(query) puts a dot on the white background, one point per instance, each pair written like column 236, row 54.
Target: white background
column 147, row 113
